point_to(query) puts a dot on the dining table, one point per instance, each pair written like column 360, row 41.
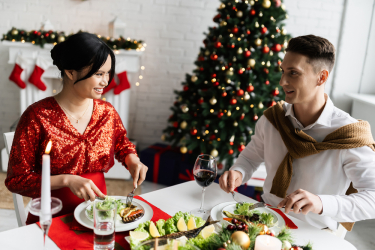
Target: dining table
column 182, row 197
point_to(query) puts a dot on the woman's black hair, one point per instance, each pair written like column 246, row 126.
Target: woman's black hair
column 82, row 50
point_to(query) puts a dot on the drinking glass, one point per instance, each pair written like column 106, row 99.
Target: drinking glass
column 104, row 226
column 205, row 171
column 45, row 219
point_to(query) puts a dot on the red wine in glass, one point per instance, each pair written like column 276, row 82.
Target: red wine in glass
column 204, row 177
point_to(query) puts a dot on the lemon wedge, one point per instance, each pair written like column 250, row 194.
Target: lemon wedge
column 138, row 235
column 181, row 225
column 191, row 224
column 207, row 231
column 153, row 230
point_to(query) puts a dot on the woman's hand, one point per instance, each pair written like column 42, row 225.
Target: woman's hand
column 230, row 180
column 136, row 168
column 83, row 188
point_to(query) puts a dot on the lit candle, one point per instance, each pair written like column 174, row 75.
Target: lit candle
column 46, row 182
column 266, row 242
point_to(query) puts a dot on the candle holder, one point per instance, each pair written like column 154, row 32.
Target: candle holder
column 45, row 219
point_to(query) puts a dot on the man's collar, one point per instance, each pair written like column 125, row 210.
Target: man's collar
column 324, row 118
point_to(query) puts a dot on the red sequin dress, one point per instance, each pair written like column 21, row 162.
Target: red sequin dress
column 89, row 154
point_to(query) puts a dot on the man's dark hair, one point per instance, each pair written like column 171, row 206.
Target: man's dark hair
column 320, row 51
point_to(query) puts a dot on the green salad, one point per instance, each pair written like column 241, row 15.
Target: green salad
column 264, row 218
column 108, row 203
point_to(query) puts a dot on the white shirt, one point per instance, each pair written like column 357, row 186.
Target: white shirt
column 327, row 174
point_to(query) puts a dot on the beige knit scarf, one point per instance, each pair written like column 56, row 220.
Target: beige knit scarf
column 299, row 145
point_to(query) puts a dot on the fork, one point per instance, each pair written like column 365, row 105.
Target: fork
column 261, row 204
column 129, row 198
column 236, row 198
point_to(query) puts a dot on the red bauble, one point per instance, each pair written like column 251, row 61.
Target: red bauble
column 220, row 166
column 172, row 133
column 207, row 125
column 212, row 137
column 240, row 92
column 190, row 151
column 250, row 88
column 279, row 62
column 232, row 46
column 201, row 58
column 248, row 32
column 186, row 88
column 47, row 34
column 228, row 17
column 216, row 84
column 277, row 3
column 35, row 32
column 241, row 148
column 224, row 94
column 277, row 30
column 213, row 57
column 175, row 124
column 213, row 75
column 233, row 101
column 235, row 30
column 240, row 71
column 267, row 82
column 266, row 70
column 201, row 69
column 193, row 131
column 200, row 101
column 205, row 41
column 275, row 92
column 242, row 116
column 265, row 49
column 218, row 44
column 252, row 12
column 247, row 53
column 230, row 151
column 273, row 103
column 39, row 33
column 276, row 47
column 231, row 143
column 221, row 114
column 216, row 17
column 263, row 30
column 255, row 117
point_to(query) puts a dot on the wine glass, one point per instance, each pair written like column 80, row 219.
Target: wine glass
column 205, row 171
column 45, row 219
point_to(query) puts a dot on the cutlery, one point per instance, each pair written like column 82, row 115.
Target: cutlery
column 129, row 198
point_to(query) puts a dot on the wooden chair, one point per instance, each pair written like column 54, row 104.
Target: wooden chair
column 17, row 199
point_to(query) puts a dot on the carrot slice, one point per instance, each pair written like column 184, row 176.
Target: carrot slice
column 228, row 219
column 135, row 212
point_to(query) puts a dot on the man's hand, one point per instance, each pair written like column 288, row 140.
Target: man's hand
column 302, row 201
column 230, row 180
column 136, row 168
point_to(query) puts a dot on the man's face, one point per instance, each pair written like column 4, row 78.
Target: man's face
column 299, row 80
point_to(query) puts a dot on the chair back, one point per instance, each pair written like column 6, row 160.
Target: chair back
column 17, row 199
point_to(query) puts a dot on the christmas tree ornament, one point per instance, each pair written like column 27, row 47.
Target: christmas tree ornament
column 235, row 123
column 162, row 137
column 229, row 113
column 257, row 24
column 193, row 131
column 233, row 101
column 222, row 6
column 283, row 31
column 214, row 57
column 276, row 47
column 194, row 78
column 252, row 12
column 277, row 3
column 215, row 84
column 241, row 147
column 230, row 151
column 224, row 94
column 241, row 238
column 251, row 62
column 247, row 53
column 213, row 101
column 201, row 69
column 219, row 115
column 283, row 6
column 240, row 71
column 235, row 30
column 242, row 116
column 201, row 58
column 213, row 75
column 263, row 30
column 276, row 92
column 20, row 65
column 183, row 150
column 201, row 100
column 61, row 39
column 255, row 117
column 212, row 137
column 14, row 32
column 267, row 82
column 246, row 96
column 41, row 65
column 248, row 32
column 207, row 53
column 230, row 72
column 186, row 88
column 258, row 42
column 266, row 4
column 214, row 153
column 252, row 2
column 240, row 92
column 273, row 103
column 223, row 23
column 183, row 124
column 217, row 17
column 217, row 44
column 265, row 49
column 286, row 245
column 268, row 63
column 175, row 124
column 260, row 105
column 213, row 80
column 229, row 81
column 260, row 15
column 239, row 51
column 184, row 108
column 285, row 45
column 239, row 14
column 266, row 70
column 250, row 88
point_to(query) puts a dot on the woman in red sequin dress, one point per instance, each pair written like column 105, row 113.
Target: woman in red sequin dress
column 87, row 133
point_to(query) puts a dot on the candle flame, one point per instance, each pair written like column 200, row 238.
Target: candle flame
column 48, row 148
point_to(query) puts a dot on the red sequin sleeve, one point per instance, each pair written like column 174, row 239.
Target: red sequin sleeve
column 22, row 177
column 123, row 146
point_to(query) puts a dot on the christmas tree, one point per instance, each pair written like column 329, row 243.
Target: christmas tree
column 237, row 78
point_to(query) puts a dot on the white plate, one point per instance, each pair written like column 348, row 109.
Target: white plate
column 216, row 214
column 80, row 216
column 135, row 203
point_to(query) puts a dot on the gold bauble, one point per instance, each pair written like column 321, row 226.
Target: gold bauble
column 14, row 32
column 252, row 2
column 239, row 13
column 235, row 123
column 207, row 52
column 194, row 78
column 214, row 153
column 286, row 245
column 183, row 150
column 268, row 64
column 183, row 124
column 246, row 96
column 271, row 53
column 260, row 14
column 179, row 99
column 251, row 62
column 241, row 238
column 266, row 4
column 239, row 51
column 260, row 105
column 184, row 108
column 61, row 39
column 213, row 101
column 229, row 73
column 283, row 31
column 53, row 36
column 283, row 6
column 222, row 6
column 229, row 81
column 264, row 228
column 285, row 45
column 229, row 113
column 256, row 25
column 223, row 23
column 163, row 137
column 258, row 42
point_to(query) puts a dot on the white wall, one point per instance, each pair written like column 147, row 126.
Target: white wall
column 173, row 31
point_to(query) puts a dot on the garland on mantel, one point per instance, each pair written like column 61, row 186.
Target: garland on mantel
column 41, row 37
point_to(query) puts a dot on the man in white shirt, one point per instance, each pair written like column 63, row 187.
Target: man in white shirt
column 316, row 192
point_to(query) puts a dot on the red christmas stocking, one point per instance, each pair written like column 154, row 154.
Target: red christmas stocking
column 15, row 76
column 41, row 65
column 124, row 83
column 110, row 86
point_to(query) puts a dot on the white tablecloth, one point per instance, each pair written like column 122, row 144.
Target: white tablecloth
column 183, row 197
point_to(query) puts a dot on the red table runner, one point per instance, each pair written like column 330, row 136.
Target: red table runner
column 67, row 233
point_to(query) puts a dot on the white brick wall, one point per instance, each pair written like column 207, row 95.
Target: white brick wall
column 173, row 31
